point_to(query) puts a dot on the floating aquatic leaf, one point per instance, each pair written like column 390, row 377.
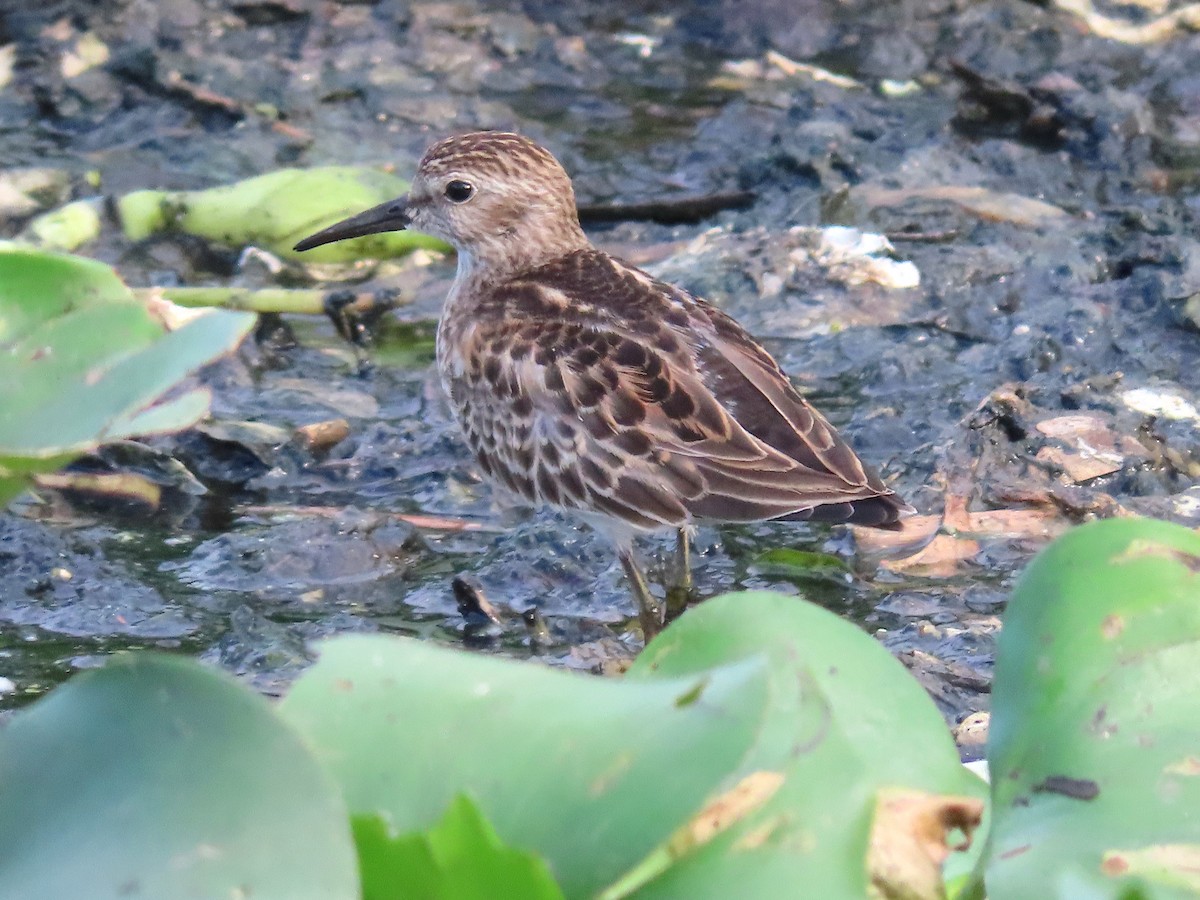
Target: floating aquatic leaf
column 156, row 777
column 846, row 728
column 1092, row 748
column 588, row 773
column 83, row 362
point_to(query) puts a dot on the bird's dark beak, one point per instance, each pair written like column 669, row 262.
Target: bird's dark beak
column 391, row 216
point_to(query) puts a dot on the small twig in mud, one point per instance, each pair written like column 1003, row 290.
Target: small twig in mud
column 294, row 132
column 175, row 87
column 198, row 95
column 791, row 67
column 941, row 327
column 668, row 211
column 924, row 237
column 417, row 520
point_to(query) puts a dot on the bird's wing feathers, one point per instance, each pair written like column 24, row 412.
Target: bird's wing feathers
column 643, row 403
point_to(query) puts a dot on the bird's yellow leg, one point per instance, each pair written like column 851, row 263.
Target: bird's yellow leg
column 650, row 611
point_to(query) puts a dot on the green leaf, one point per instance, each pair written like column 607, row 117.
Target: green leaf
column 275, row 210
column 17, row 472
column 1093, row 751
column 847, row 727
column 36, row 287
column 83, row 362
column 156, row 777
column 459, row 858
column 588, row 773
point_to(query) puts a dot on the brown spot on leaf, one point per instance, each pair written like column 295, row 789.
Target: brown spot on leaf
column 1174, row 865
column 1114, row 865
column 1016, row 851
column 758, row 836
column 1100, row 726
column 1112, row 626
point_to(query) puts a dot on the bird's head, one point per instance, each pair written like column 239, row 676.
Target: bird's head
column 502, row 201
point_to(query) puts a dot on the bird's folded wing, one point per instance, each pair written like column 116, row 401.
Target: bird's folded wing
column 601, row 419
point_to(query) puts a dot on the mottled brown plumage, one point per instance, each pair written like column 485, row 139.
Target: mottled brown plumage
column 584, row 383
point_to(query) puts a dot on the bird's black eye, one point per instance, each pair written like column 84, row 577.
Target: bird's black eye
column 459, row 191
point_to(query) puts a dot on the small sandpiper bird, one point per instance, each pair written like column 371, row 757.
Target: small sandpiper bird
column 584, row 383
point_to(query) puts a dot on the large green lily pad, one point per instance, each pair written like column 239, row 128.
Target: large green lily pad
column 588, row 773
column 1094, row 752
column 155, row 777
column 848, row 730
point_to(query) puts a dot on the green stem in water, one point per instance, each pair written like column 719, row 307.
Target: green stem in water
column 266, row 300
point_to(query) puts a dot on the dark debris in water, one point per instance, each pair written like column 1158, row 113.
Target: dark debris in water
column 1044, row 182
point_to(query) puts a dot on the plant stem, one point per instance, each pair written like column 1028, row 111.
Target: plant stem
column 265, row 300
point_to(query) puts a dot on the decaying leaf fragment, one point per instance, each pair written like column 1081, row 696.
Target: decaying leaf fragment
column 909, row 841
column 111, row 486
